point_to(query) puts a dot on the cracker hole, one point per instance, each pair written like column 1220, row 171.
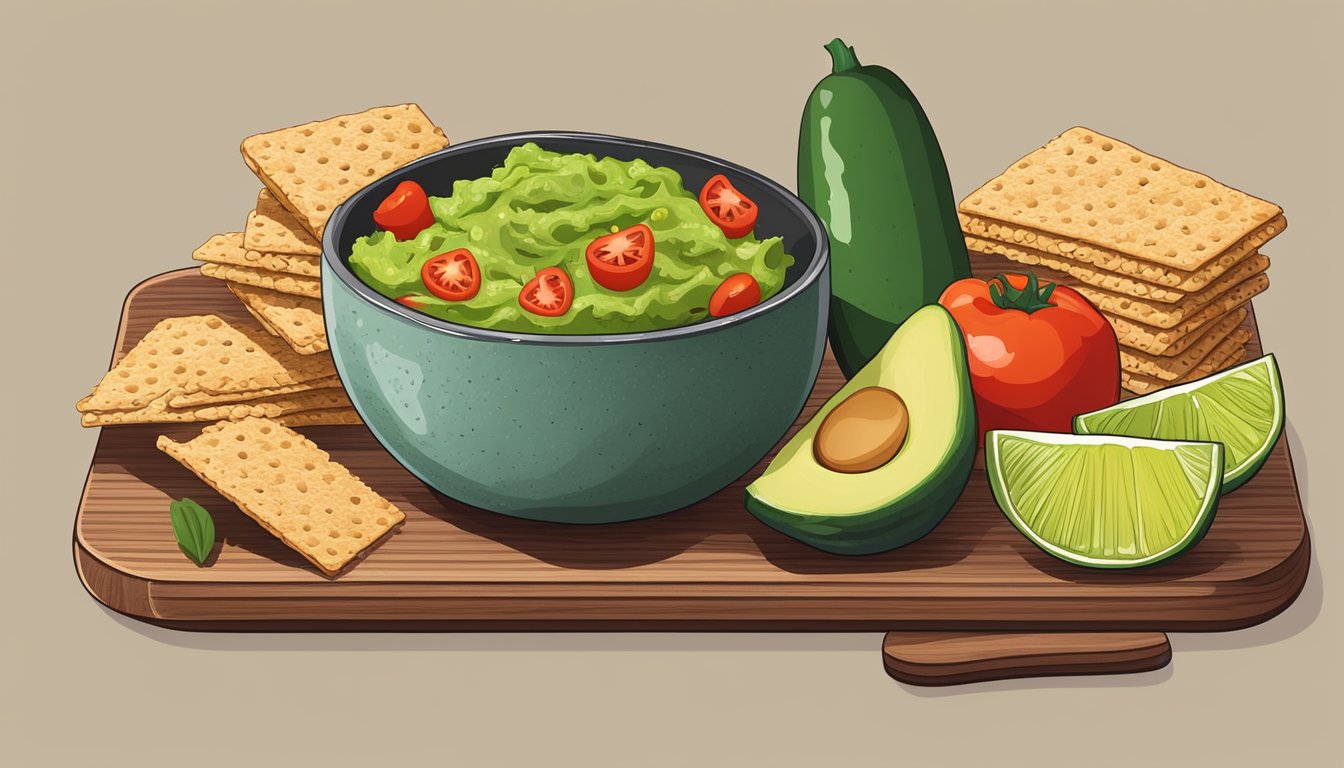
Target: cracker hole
column 1091, row 160
column 357, row 520
column 306, row 132
column 1087, row 138
column 322, row 160
column 361, row 146
column 307, row 527
column 387, row 155
column 413, row 127
column 331, row 550
column 1068, row 150
column 336, row 140
column 224, row 360
column 132, row 388
column 212, row 442
column 358, row 534
column 355, row 500
column 1143, row 181
column 273, row 463
column 266, row 429
column 1107, row 146
column 367, row 128
column 284, row 443
column 327, row 477
column 1199, row 184
column 1155, row 167
column 311, row 541
column 381, row 521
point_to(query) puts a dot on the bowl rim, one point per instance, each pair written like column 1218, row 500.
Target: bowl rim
column 337, row 266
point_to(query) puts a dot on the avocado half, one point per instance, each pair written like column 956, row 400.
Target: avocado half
column 924, row 362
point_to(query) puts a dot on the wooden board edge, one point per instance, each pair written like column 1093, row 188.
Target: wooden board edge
column 952, row 658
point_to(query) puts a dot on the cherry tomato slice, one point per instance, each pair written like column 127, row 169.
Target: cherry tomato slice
column 549, row 294
column 736, row 293
column 729, row 209
column 405, row 213
column 622, row 260
column 453, row 275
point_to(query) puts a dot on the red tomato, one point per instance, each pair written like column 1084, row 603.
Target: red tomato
column 412, row 301
column 548, row 294
column 622, row 260
column 729, row 209
column 1038, row 356
column 453, row 275
column 405, row 212
column 734, row 294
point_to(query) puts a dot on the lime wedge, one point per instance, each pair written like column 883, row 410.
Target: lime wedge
column 1104, row 501
column 1242, row 408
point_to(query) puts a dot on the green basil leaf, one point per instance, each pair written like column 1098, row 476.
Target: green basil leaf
column 194, row 529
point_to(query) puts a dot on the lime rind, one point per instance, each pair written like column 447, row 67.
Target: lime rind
column 1241, row 407
column 1193, row 472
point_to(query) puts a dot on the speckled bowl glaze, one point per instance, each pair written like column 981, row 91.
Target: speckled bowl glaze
column 578, row 429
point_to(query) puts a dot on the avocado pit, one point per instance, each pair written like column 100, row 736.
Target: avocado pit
column 863, row 432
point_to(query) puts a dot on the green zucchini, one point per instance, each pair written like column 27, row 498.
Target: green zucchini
column 870, row 166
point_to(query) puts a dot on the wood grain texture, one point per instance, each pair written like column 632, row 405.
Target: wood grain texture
column 957, row 658
column 709, row 566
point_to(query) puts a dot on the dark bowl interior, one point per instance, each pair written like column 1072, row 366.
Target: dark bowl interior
column 781, row 214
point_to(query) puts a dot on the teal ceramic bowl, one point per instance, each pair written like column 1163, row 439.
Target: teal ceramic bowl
column 578, row 429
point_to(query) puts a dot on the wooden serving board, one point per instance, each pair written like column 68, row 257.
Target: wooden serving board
column 711, row 566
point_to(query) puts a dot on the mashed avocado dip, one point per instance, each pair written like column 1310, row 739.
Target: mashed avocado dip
column 543, row 209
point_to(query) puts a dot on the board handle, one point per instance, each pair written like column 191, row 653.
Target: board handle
column 955, row 658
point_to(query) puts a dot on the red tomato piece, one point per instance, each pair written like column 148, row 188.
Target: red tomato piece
column 405, row 213
column 549, row 294
column 411, row 300
column 1038, row 355
column 736, row 293
column 453, row 276
column 622, row 260
column 729, row 209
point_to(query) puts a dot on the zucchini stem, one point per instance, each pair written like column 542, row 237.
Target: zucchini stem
column 843, row 58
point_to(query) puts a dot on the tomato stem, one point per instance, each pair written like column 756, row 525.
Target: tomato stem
column 843, row 58
column 1028, row 299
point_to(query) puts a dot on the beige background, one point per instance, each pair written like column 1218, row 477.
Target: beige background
column 121, row 126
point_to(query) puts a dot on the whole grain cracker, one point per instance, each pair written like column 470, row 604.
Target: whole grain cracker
column 1236, row 286
column 272, row 229
column 1031, row 247
column 197, row 399
column 1156, row 341
column 161, row 412
column 1085, row 187
column 202, row 353
column 228, row 249
column 1224, row 356
column 320, row 417
column 1171, row 369
column 291, row 487
column 296, row 319
column 314, row 167
column 260, row 278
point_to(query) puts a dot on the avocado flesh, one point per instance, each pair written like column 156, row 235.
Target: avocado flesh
column 925, row 363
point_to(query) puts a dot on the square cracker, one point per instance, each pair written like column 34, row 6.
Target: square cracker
column 160, row 411
column 296, row 319
column 228, row 249
column 1086, row 188
column 263, row 278
column 1235, row 287
column 292, row 488
column 1156, row 341
column 314, row 167
column 1225, row 355
column 1173, row 368
column 272, row 229
column 1030, row 247
column 203, row 353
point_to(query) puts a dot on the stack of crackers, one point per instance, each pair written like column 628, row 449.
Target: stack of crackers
column 208, row 368
column 1169, row 256
column 308, row 170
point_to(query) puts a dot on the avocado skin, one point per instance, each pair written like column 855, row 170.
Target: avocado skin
column 901, row 243
column 905, row 519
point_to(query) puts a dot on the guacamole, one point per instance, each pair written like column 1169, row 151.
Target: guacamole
column 544, row 209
